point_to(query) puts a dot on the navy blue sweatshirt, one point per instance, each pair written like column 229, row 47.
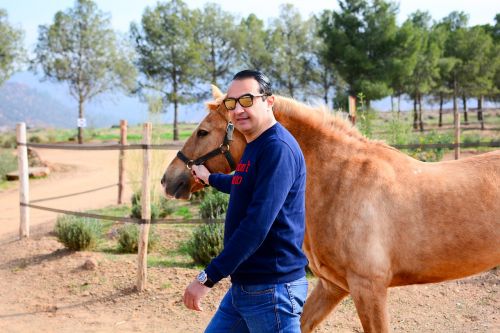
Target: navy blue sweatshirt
column 265, row 220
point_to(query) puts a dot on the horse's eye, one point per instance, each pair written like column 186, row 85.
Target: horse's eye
column 201, row 133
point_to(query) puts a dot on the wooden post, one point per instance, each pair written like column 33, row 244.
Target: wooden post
column 352, row 109
column 146, row 210
column 24, row 198
column 121, row 160
column 456, row 120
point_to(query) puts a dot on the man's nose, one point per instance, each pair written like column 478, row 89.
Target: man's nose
column 238, row 108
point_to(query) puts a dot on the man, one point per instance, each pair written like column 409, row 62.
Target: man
column 265, row 221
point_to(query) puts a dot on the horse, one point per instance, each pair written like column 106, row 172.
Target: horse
column 375, row 217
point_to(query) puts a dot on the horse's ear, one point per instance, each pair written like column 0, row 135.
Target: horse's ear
column 216, row 93
column 212, row 105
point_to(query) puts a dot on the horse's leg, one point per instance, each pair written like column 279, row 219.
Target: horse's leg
column 320, row 303
column 370, row 299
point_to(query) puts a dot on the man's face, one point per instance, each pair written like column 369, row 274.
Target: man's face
column 250, row 120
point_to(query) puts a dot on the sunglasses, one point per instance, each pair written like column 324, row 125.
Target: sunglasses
column 245, row 101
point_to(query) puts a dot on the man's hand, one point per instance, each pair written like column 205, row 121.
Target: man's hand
column 200, row 172
column 193, row 295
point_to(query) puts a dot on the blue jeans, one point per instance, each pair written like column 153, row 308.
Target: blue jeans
column 261, row 308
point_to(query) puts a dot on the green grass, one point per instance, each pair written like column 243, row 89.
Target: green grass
column 184, row 212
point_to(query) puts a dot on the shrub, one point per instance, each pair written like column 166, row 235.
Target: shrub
column 433, row 154
column 34, row 139
column 8, row 163
column 9, row 142
column 78, row 233
column 399, row 130
column 214, row 205
column 159, row 209
column 206, row 243
column 128, row 239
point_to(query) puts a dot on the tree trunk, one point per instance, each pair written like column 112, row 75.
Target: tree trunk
column 399, row 103
column 480, row 111
column 464, row 102
column 456, row 119
column 176, row 106
column 392, row 103
column 325, row 96
column 80, row 115
column 176, row 130
column 415, row 113
column 214, row 63
column 441, row 100
column 420, row 122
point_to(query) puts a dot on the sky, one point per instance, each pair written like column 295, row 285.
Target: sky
column 29, row 14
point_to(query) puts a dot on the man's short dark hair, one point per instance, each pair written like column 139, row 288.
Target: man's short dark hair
column 261, row 78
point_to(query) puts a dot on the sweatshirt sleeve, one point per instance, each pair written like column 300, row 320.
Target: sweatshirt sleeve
column 221, row 182
column 276, row 168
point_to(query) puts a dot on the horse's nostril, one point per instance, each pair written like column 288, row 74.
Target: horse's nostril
column 163, row 180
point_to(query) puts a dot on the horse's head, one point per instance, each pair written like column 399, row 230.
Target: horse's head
column 212, row 143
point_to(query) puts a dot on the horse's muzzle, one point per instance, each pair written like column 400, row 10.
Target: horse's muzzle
column 178, row 186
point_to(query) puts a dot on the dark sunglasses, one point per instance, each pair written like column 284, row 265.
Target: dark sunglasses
column 245, row 101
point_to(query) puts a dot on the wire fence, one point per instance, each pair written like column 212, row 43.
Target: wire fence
column 87, row 147
column 175, row 146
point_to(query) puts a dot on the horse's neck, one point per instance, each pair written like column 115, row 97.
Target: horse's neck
column 318, row 133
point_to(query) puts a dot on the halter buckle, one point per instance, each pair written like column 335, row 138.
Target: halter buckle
column 224, row 148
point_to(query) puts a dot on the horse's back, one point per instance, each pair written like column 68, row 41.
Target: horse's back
column 455, row 227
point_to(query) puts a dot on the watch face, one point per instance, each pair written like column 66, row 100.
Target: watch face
column 202, row 277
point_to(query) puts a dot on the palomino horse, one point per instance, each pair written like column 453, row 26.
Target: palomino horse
column 375, row 218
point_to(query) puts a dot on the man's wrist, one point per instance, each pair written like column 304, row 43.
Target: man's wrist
column 203, row 279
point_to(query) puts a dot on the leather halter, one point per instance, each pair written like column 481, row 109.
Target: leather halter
column 223, row 149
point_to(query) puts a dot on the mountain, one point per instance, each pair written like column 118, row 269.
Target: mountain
column 24, row 97
column 19, row 102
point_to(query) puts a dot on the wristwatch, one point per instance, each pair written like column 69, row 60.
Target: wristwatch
column 203, row 279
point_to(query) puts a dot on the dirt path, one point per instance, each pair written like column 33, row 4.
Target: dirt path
column 92, row 175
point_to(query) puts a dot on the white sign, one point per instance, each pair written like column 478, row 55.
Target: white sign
column 81, row 122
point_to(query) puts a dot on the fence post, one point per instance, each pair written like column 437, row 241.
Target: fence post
column 121, row 160
column 22, row 162
column 352, row 109
column 146, row 210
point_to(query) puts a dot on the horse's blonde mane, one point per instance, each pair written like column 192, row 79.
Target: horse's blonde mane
column 320, row 118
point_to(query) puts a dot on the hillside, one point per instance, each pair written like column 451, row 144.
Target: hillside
column 19, row 102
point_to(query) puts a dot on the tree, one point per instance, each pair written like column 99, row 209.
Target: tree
column 426, row 69
column 254, row 44
column 442, row 89
column 80, row 48
column 217, row 35
column 361, row 44
column 479, row 67
column 168, row 55
column 408, row 45
column 292, row 41
column 11, row 49
column 324, row 78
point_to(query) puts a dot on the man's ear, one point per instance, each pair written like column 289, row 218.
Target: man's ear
column 216, row 93
column 270, row 100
